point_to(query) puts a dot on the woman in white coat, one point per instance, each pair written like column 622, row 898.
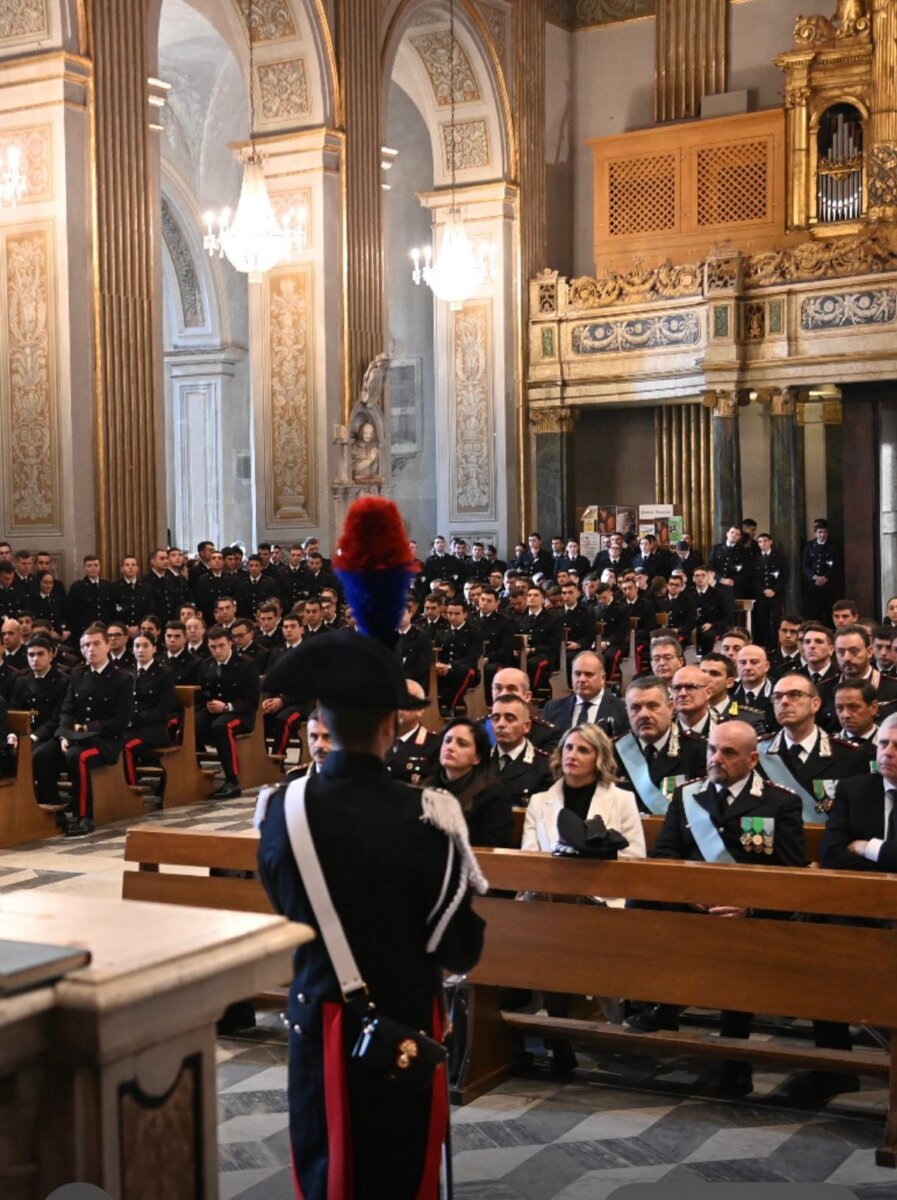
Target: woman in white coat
column 584, row 762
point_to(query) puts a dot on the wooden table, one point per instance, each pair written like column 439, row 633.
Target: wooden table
column 109, row 1075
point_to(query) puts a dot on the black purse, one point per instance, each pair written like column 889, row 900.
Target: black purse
column 390, row 1049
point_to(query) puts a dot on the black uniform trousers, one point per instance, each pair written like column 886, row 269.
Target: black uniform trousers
column 221, row 732
column 280, row 726
column 79, row 760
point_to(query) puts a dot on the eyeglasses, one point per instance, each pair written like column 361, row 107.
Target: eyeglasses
column 688, row 687
column 794, row 694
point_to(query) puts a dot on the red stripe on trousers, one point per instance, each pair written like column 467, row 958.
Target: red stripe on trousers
column 235, row 762
column 287, row 732
column 463, row 688
column 439, row 1115
column 130, row 772
column 174, row 730
column 537, row 674
column 340, row 1180
column 84, row 777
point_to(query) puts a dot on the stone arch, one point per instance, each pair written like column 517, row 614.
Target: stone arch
column 415, row 56
column 195, row 309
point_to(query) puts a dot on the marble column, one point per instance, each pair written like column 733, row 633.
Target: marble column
column 726, row 459
column 364, row 279
column 128, row 339
column 786, row 502
column 553, row 469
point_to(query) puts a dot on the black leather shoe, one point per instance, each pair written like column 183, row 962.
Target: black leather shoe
column 227, row 791
column 653, row 1019
column 736, row 1080
column 82, row 828
column 815, row 1087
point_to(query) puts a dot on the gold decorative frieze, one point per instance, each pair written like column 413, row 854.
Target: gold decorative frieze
column 470, row 145
column 23, row 19
column 473, row 492
column 866, row 253
column 445, row 61
column 31, row 470
column 636, row 286
column 36, row 146
column 289, row 385
column 269, row 20
column 284, row 89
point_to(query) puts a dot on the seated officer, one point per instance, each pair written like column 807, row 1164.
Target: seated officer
column 413, row 648
column 578, row 620
column 154, row 702
column 666, row 656
column 181, row 664
column 861, row 832
column 754, row 689
column 319, row 747
column 522, row 769
column 283, row 711
column 710, row 610
column 853, row 651
column 705, row 823
column 639, row 608
column 542, row 630
column 802, row 756
column 460, row 649
column 226, row 705
column 414, row 754
column 13, row 645
column 656, row 755
column 92, row 723
column 243, row 634
column 511, row 681
column 817, row 648
column 269, row 634
column 787, row 655
column 498, row 635
column 682, row 609
column 690, row 690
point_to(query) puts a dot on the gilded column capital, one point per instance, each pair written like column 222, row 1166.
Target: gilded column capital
column 725, row 403
column 553, row 420
column 781, row 402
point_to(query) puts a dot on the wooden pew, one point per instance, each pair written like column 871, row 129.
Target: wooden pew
column 653, row 825
column 199, row 853
column 23, row 819
column 804, row 969
column 475, row 699
column 744, row 614
column 430, row 717
column 185, row 781
column 256, row 766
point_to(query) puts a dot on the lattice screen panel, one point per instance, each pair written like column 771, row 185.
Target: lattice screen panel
column 733, row 183
column 641, row 195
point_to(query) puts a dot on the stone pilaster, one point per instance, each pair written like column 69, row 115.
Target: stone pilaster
column 360, row 73
column 786, row 504
column 128, row 318
column 726, row 458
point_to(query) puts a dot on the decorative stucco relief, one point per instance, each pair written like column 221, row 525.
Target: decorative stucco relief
column 192, row 306
column 845, row 309
column 284, row 89
column 22, row 18
column 289, row 386
column 472, row 416
column 270, row 19
column 31, row 470
column 35, row 145
column 497, row 23
column 471, row 145
column 443, row 62
column 638, row 333
column 284, row 202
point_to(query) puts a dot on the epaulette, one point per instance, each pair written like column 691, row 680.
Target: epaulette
column 837, row 740
column 545, row 724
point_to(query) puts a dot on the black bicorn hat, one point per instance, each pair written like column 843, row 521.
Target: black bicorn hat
column 592, row 838
column 343, row 670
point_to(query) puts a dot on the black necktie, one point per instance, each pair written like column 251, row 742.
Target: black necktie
column 582, row 716
column 650, row 753
column 796, row 754
column 715, row 802
column 503, row 761
column 750, row 697
column 816, row 676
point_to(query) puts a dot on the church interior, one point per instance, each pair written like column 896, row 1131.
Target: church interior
column 515, row 265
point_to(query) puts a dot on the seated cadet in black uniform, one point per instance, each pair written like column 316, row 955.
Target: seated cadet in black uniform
column 226, row 705
column 131, row 597
column 579, row 622
column 640, row 609
column 683, row 612
column 612, row 616
column 92, row 722
column 89, row 598
column 258, row 588
column 522, row 770
column 656, row 756
column 413, row 756
column 711, row 615
column 853, row 651
column 243, row 634
column 269, row 634
column 14, row 648
column 40, row 690
column 283, row 711
column 168, row 590
column 856, row 710
column 615, row 558
column 50, row 603
column 543, row 633
column 120, row 653
column 398, row 884
column 154, row 702
column 182, row 665
column 460, row 650
column 413, row 648
column 313, row 614
column 433, row 619
column 734, row 791
column 817, row 648
column 498, row 636
column 212, row 585
column 786, row 657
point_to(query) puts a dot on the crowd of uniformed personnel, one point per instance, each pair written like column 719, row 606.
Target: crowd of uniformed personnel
column 801, row 705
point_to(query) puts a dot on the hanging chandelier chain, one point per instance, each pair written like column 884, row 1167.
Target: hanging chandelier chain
column 452, row 140
column 251, row 77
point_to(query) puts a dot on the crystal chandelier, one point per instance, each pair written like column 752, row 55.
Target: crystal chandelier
column 13, row 184
column 457, row 271
column 255, row 241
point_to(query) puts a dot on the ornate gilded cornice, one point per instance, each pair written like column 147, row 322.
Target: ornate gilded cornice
column 553, row 420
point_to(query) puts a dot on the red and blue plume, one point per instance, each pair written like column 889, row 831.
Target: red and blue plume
column 374, row 565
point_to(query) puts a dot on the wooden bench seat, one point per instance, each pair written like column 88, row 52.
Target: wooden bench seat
column 185, row 781
column 199, row 853
column 802, row 969
column 22, row 819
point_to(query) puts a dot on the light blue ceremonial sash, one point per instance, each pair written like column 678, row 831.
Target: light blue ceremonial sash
column 712, row 847
column 776, row 771
column 637, row 769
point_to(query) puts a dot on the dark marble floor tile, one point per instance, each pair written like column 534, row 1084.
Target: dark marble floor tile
column 742, row 1170
column 614, row 1153
column 490, row 1189
column 544, row 1175
column 242, row 1104
column 811, row 1154
column 278, row 1186
column 39, row 879
column 246, row 1156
